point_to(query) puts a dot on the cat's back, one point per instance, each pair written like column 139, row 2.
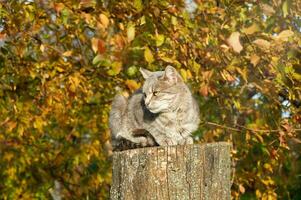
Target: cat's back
column 136, row 108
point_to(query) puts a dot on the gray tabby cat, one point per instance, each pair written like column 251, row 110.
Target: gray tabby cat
column 162, row 112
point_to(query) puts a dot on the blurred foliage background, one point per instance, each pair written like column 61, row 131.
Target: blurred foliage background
column 61, row 63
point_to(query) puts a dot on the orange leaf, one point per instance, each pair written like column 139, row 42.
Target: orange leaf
column 132, row 84
column 101, row 46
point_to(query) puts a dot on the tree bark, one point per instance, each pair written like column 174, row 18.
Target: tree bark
column 173, row 172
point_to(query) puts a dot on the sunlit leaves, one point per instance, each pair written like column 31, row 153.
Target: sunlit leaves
column 62, row 62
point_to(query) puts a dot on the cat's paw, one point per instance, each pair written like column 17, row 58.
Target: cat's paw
column 187, row 140
column 168, row 142
column 141, row 141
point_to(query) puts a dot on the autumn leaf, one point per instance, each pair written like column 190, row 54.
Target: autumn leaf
column 94, row 42
column 101, row 48
column 130, row 32
column 132, row 84
column 104, row 20
column 242, row 189
column 115, row 69
column 284, row 35
column 261, row 43
column 234, row 42
column 240, row 59
column 67, row 53
column 285, row 8
column 98, row 45
column 138, row 5
column 148, row 55
column 267, row 9
column 159, row 39
column 254, row 59
column 251, row 29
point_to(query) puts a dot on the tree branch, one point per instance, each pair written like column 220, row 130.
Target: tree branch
column 249, row 129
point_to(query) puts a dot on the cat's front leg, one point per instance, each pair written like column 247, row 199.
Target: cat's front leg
column 138, row 140
column 187, row 140
column 165, row 137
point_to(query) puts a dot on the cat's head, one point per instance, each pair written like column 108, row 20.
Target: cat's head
column 161, row 89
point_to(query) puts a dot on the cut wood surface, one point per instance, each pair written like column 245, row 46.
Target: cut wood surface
column 200, row 171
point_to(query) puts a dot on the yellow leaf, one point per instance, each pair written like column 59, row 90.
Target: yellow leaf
column 284, row 35
column 11, row 125
column 138, row 5
column 38, row 124
column 285, row 8
column 59, row 69
column 268, row 181
column 104, row 20
column 234, row 42
column 74, row 83
column 20, row 130
column 148, row 55
column 254, row 59
column 174, row 21
column 159, row 40
column 227, row 76
column 167, row 59
column 116, row 68
column 268, row 167
column 258, row 194
column 261, row 43
column 8, row 156
column 251, row 29
column 94, row 42
column 42, row 48
column 67, row 53
column 183, row 74
column 130, row 32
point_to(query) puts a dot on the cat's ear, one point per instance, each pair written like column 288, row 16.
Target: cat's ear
column 171, row 75
column 145, row 73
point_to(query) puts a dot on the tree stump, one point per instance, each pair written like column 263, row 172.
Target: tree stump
column 173, row 172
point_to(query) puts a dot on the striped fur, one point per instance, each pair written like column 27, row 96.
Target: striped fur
column 163, row 112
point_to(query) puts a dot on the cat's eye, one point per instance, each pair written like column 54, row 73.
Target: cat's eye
column 155, row 93
column 144, row 94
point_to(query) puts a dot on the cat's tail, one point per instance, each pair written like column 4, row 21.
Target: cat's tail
column 118, row 109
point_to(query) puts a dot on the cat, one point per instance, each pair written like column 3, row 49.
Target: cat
column 163, row 112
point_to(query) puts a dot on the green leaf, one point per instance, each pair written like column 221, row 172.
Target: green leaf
column 132, row 70
column 96, row 59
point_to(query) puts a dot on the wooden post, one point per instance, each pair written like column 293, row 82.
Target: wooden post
column 173, row 172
